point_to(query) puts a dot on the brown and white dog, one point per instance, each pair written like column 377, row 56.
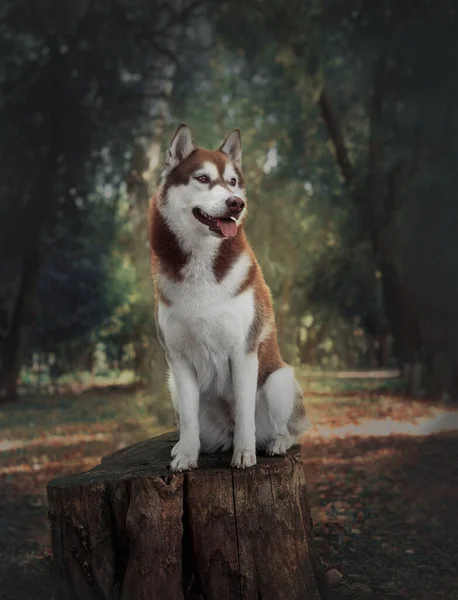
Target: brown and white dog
column 228, row 382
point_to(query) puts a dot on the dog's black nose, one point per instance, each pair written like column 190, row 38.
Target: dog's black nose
column 235, row 204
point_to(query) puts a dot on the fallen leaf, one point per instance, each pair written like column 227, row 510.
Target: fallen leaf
column 356, row 530
column 334, row 577
column 390, row 585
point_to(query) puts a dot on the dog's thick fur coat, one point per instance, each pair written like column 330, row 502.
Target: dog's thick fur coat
column 228, row 382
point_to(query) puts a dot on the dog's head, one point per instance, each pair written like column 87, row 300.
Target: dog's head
column 203, row 190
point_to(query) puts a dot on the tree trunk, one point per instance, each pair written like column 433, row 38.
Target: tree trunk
column 378, row 203
column 308, row 349
column 143, row 169
column 23, row 318
column 130, row 530
column 3, row 332
column 283, row 309
column 382, row 352
column 401, row 314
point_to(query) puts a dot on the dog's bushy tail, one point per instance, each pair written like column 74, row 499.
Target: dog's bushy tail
column 298, row 422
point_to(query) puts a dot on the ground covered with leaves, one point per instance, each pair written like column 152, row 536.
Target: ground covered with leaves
column 382, row 476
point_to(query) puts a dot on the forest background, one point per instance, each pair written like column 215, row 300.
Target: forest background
column 348, row 112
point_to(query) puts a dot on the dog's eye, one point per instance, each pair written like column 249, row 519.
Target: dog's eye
column 233, row 182
column 203, row 178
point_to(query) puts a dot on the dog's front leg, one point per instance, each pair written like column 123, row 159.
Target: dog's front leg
column 244, row 377
column 186, row 452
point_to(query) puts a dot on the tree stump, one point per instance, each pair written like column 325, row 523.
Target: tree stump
column 129, row 529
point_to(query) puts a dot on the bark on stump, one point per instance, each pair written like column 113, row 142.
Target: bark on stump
column 130, row 530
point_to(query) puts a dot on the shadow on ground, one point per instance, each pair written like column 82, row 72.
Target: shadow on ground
column 386, row 514
column 25, row 559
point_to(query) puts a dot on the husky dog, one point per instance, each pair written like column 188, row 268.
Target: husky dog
column 228, row 382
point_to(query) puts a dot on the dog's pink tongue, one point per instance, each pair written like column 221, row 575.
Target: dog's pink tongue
column 228, row 227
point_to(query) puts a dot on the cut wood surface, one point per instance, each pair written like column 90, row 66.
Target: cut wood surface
column 129, row 529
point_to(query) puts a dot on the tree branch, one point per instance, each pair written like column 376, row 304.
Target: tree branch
column 337, row 137
column 149, row 39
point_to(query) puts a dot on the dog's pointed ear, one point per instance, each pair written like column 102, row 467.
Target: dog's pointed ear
column 181, row 146
column 232, row 147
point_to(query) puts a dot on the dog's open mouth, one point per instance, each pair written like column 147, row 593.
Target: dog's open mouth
column 226, row 226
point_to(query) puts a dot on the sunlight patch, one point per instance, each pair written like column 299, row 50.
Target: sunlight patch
column 53, row 440
column 446, row 421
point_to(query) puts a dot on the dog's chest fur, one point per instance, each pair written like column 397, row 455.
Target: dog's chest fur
column 205, row 319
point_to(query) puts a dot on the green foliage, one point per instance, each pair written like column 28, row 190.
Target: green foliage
column 72, row 291
column 390, row 72
column 77, row 87
column 301, row 223
column 345, row 248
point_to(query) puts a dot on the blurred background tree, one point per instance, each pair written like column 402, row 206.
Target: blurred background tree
column 348, row 117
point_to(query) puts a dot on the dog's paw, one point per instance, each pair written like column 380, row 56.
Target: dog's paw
column 242, row 459
column 279, row 445
column 175, row 450
column 183, row 462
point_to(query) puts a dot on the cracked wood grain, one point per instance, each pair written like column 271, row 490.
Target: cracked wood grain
column 130, row 530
